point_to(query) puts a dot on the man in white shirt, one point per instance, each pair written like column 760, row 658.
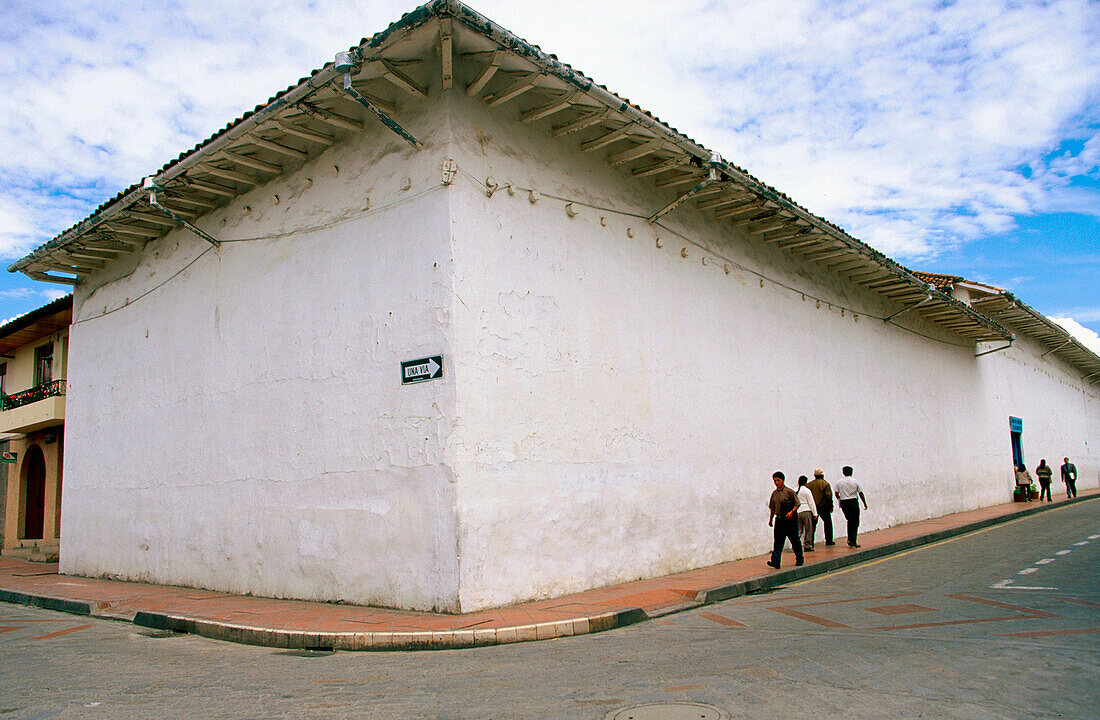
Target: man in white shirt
column 847, row 490
column 807, row 514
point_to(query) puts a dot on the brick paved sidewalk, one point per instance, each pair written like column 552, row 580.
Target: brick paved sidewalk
column 298, row 624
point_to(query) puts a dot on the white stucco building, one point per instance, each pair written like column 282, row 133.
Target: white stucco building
column 634, row 334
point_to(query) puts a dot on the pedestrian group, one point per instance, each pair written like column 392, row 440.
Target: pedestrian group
column 1045, row 474
column 794, row 514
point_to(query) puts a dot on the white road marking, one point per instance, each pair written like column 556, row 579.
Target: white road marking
column 1083, row 542
column 1008, row 585
column 1094, row 537
column 1063, row 552
column 1045, row 561
column 1027, row 571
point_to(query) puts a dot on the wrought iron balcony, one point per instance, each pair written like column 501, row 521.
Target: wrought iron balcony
column 36, row 393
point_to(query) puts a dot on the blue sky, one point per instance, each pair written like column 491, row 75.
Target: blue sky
column 957, row 137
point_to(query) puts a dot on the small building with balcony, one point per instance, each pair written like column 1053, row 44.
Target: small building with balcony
column 33, row 351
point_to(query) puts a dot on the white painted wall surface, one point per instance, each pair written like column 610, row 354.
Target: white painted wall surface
column 621, row 406
column 611, row 409
column 240, row 425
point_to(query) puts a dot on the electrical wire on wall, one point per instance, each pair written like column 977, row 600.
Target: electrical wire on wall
column 756, row 273
column 272, row 236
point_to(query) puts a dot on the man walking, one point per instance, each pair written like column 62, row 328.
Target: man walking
column 1069, row 477
column 823, row 499
column 847, row 490
column 783, row 510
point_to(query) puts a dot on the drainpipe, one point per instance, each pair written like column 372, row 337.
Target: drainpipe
column 150, row 185
column 914, row 306
column 1011, row 339
column 344, row 66
column 714, row 163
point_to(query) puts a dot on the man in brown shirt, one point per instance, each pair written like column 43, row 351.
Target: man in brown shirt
column 823, row 497
column 783, row 507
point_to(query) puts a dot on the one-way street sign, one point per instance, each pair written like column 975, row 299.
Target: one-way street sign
column 414, row 371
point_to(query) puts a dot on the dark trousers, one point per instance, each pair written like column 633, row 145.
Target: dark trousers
column 785, row 529
column 1071, row 488
column 826, row 518
column 850, row 508
column 1044, row 489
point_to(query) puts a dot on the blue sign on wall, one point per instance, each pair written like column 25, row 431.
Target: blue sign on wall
column 1015, row 424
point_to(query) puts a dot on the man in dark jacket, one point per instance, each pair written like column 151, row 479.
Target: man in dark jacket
column 783, row 507
column 1069, row 477
column 823, row 498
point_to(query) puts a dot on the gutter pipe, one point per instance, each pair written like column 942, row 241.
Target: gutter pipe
column 152, row 188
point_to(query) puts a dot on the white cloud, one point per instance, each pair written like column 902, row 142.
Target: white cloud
column 1087, row 337
column 902, row 120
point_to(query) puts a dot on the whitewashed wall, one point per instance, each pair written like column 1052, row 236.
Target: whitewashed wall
column 240, row 426
column 622, row 405
column 612, row 407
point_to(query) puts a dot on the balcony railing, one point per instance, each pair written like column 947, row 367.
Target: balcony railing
column 36, row 393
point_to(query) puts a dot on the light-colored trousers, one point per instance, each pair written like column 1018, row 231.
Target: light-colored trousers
column 806, row 528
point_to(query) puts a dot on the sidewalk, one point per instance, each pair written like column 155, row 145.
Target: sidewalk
column 311, row 625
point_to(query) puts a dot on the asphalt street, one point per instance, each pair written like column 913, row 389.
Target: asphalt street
column 1001, row 623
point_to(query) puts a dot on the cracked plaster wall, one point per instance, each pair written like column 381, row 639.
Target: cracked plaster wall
column 622, row 405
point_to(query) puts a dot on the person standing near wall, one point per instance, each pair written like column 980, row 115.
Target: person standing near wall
column 847, row 492
column 1023, row 482
column 783, row 508
column 1069, row 477
column 823, row 501
column 807, row 514
column 1044, row 473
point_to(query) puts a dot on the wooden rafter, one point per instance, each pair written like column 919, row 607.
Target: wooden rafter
column 486, row 75
column 277, row 147
column 557, row 104
column 304, row 133
column 608, row 138
column 446, row 53
column 393, row 75
column 586, row 120
column 638, row 151
column 513, row 91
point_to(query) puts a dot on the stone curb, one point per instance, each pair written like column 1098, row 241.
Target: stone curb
column 467, row 638
column 423, row 640
column 73, row 607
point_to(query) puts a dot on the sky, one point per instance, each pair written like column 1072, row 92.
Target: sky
column 956, row 137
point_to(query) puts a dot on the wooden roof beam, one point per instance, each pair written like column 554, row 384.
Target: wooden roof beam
column 331, row 118
column 638, row 151
column 446, row 53
column 486, row 74
column 231, row 175
column 400, row 79
column 277, row 148
column 679, row 180
column 659, row 166
column 586, row 120
column 251, row 162
column 607, row 138
column 298, row 131
column 211, row 188
column 547, row 109
column 513, row 91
